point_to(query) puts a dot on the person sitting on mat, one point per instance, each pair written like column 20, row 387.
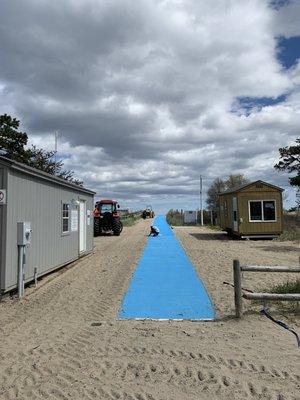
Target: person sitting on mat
column 154, row 231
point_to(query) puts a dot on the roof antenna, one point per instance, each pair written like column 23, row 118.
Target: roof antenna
column 56, row 136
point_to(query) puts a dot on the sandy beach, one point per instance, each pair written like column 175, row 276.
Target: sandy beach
column 63, row 340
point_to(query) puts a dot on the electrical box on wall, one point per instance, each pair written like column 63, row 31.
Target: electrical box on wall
column 24, row 233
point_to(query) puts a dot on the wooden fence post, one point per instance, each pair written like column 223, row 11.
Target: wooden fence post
column 237, row 279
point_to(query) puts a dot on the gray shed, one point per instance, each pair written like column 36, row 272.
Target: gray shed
column 60, row 216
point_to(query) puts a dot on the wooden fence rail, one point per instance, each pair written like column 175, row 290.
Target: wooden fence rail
column 238, row 291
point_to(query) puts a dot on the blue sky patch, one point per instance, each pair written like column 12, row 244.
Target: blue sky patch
column 288, row 51
column 245, row 105
column 277, row 4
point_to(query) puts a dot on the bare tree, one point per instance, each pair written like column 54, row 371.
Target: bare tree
column 220, row 185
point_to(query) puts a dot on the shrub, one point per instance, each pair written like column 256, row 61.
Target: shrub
column 284, row 288
column 290, row 235
column 287, row 287
column 291, row 227
column 175, row 218
column 130, row 220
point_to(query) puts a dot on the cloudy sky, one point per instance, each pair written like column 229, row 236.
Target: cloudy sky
column 149, row 94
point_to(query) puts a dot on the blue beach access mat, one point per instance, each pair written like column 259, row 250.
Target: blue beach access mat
column 165, row 284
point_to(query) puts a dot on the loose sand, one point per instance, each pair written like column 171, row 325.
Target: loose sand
column 63, row 340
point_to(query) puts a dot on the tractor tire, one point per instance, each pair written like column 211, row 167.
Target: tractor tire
column 96, row 226
column 117, row 227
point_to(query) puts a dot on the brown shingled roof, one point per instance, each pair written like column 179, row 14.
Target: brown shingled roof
column 240, row 187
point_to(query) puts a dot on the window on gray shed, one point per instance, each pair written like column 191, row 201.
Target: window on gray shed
column 65, row 217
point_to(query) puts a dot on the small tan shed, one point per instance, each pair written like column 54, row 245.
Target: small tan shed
column 252, row 210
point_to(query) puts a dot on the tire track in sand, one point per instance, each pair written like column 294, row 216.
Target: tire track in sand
column 83, row 361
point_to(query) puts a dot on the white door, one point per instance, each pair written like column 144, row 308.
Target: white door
column 234, row 211
column 82, row 226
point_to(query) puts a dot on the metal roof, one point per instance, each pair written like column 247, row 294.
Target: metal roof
column 240, row 187
column 15, row 165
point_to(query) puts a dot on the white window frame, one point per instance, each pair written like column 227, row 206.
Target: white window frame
column 262, row 210
column 65, row 218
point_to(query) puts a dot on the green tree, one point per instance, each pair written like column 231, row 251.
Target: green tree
column 175, row 217
column 45, row 161
column 13, row 145
column 220, row 185
column 12, row 141
column 290, row 162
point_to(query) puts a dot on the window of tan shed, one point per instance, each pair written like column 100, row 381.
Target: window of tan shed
column 255, row 211
column 262, row 210
column 269, row 210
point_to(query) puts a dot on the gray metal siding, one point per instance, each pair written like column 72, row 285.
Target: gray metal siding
column 39, row 202
column 3, row 208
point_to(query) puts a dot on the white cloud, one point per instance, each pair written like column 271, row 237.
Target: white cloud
column 142, row 92
column 286, row 20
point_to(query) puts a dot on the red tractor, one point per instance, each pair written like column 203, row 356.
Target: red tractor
column 107, row 218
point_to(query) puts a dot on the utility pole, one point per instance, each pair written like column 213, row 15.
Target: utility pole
column 201, row 201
